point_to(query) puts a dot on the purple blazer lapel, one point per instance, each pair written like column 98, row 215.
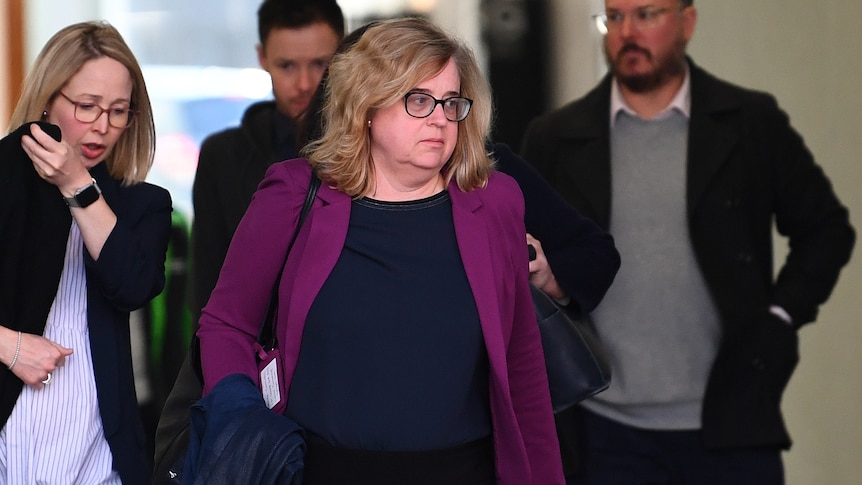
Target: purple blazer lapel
column 317, row 249
column 474, row 241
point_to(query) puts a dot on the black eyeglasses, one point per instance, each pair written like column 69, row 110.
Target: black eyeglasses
column 90, row 112
column 421, row 105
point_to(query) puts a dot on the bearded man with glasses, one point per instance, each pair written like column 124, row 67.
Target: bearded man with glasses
column 687, row 172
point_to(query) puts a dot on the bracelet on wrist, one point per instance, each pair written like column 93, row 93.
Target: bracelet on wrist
column 17, row 351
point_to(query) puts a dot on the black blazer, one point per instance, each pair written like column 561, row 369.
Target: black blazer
column 746, row 168
column 34, row 228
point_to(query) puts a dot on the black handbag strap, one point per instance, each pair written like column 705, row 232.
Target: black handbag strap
column 266, row 334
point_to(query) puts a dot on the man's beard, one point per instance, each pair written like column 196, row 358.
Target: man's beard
column 666, row 67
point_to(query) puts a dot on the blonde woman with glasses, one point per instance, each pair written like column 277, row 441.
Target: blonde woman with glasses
column 83, row 244
column 410, row 348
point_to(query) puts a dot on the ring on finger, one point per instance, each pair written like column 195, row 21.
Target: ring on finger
column 47, row 380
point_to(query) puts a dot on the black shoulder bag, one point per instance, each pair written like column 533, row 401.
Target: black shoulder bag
column 577, row 365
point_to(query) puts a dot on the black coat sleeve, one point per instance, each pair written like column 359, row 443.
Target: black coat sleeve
column 581, row 254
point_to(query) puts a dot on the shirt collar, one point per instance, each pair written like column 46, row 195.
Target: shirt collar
column 681, row 102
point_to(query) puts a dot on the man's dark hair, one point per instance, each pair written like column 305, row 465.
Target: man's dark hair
column 686, row 3
column 294, row 14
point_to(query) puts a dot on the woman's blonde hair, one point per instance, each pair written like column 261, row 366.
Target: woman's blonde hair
column 61, row 58
column 389, row 60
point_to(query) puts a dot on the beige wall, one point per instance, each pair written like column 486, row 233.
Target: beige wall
column 5, row 109
column 806, row 54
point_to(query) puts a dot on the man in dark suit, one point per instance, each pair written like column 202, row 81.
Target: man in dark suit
column 687, row 172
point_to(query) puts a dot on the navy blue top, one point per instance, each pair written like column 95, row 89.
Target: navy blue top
column 392, row 355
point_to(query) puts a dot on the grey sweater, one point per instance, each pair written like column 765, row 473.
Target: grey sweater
column 658, row 320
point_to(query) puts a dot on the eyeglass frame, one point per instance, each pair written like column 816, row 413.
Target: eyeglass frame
column 131, row 112
column 645, row 18
column 436, row 102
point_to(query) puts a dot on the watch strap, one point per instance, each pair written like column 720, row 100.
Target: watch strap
column 84, row 196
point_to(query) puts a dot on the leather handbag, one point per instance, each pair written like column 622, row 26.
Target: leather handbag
column 173, row 431
column 577, row 365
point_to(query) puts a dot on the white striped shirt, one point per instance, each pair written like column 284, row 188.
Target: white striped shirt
column 54, row 435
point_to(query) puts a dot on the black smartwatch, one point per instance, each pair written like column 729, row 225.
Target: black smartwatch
column 84, row 196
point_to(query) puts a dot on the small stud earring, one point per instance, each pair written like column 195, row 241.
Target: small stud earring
column 44, row 115
column 369, row 123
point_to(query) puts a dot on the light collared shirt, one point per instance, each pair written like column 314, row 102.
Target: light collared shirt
column 681, row 102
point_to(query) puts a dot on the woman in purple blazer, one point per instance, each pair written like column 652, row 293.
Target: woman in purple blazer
column 409, row 344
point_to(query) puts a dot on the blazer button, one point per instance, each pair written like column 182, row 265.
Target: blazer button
column 744, row 257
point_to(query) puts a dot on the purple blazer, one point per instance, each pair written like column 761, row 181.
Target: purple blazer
column 490, row 231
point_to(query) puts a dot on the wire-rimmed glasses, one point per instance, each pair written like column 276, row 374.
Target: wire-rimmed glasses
column 90, row 112
column 643, row 18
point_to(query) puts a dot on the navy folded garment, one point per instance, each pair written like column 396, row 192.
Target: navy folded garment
column 236, row 439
